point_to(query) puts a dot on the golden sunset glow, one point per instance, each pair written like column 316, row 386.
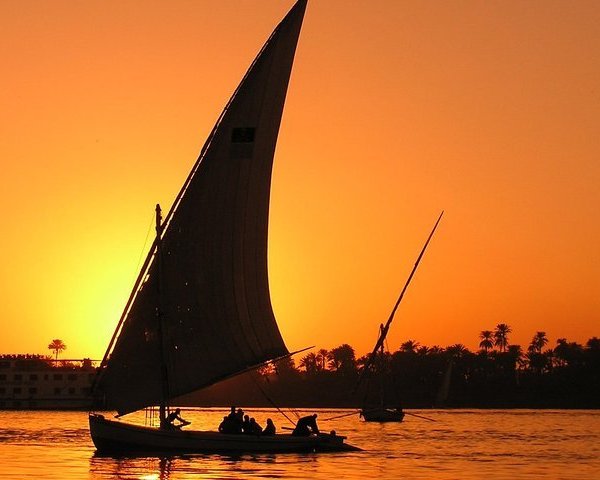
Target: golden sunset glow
column 395, row 111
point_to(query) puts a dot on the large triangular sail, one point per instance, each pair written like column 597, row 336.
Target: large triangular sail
column 211, row 287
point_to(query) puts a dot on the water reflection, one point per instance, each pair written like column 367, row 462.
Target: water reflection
column 185, row 466
column 461, row 444
column 205, row 466
column 142, row 468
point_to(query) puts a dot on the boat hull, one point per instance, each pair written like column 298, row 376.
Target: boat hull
column 110, row 436
column 382, row 415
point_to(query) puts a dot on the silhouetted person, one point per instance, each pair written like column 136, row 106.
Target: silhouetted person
column 230, row 423
column 246, row 428
column 239, row 418
column 270, row 428
column 225, row 426
column 255, row 428
column 232, row 416
column 234, row 421
column 306, row 426
column 169, row 421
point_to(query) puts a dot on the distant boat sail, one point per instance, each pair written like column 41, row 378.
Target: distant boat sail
column 200, row 310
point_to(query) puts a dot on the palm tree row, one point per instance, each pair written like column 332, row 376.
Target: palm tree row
column 536, row 359
column 498, row 375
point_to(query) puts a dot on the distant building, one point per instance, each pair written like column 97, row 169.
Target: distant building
column 38, row 382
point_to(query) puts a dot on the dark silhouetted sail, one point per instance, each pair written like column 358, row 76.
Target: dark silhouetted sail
column 211, row 287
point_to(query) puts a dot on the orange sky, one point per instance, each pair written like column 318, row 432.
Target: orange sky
column 396, row 110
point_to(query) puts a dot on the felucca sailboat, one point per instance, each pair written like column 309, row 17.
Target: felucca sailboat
column 200, row 310
column 376, row 368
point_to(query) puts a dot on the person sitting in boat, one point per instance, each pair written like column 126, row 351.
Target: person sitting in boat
column 232, row 416
column 255, row 428
column 239, row 420
column 232, row 423
column 270, row 428
column 169, row 421
column 246, row 424
column 224, row 424
column 229, row 425
column 306, row 426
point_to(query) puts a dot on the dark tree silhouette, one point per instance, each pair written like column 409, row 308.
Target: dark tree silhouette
column 309, row 363
column 285, row 367
column 457, row 350
column 322, row 356
column 342, row 358
column 515, row 354
column 501, row 336
column 538, row 342
column 57, row 346
column 567, row 376
column 568, row 354
column 487, row 340
column 593, row 344
column 410, row 346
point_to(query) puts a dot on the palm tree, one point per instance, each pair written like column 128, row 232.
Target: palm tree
column 423, row 350
column 593, row 344
column 537, row 361
column 457, row 350
column 538, row 342
column 487, row 340
column 322, row 356
column 285, row 367
column 410, row 346
column 435, row 350
column 515, row 353
column 568, row 354
column 342, row 358
column 363, row 361
column 57, row 346
column 309, row 362
column 561, row 352
column 501, row 336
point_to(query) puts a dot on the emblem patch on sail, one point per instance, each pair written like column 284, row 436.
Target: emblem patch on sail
column 242, row 142
column 243, row 135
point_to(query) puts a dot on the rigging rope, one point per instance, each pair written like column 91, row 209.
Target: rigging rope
column 143, row 251
column 269, row 399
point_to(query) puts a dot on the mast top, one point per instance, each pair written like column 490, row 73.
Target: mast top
column 158, row 219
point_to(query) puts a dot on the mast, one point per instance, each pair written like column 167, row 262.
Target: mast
column 164, row 377
column 383, row 368
column 386, row 327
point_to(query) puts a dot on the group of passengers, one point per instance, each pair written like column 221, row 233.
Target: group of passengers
column 238, row 422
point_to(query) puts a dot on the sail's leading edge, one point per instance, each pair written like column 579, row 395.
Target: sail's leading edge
column 213, row 291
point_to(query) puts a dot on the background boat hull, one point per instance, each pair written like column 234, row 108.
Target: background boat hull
column 382, row 415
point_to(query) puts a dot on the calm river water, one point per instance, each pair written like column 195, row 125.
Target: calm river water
column 460, row 444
